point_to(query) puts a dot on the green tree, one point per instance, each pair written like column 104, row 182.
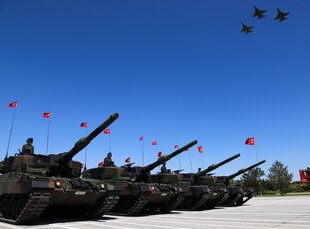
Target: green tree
column 253, row 179
column 279, row 177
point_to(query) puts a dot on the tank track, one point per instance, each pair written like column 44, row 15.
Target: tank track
column 241, row 201
column 34, row 207
column 139, row 204
column 174, row 204
column 222, row 200
column 197, row 205
column 232, row 202
column 136, row 208
column 106, row 205
column 200, row 203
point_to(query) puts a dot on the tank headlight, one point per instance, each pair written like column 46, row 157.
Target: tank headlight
column 58, row 184
column 102, row 186
column 153, row 188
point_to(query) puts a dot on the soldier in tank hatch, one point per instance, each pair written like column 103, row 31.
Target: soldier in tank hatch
column 108, row 160
column 163, row 168
column 28, row 148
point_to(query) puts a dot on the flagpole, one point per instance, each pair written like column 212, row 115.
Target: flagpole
column 11, row 130
column 179, row 162
column 190, row 162
column 256, row 153
column 48, row 134
column 260, row 184
column 202, row 162
column 142, row 152
column 85, row 149
column 109, row 142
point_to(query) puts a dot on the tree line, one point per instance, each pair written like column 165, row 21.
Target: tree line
column 277, row 180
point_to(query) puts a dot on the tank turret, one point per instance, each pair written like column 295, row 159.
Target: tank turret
column 226, row 179
column 142, row 173
column 215, row 166
column 54, row 164
column 166, row 158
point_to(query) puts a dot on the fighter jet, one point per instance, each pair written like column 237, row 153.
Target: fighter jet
column 281, row 15
column 259, row 13
column 246, row 29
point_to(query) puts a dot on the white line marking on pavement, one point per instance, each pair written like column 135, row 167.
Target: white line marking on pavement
column 9, row 226
column 233, row 219
column 216, row 220
column 102, row 224
column 150, row 225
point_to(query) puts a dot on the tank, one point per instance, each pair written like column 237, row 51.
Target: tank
column 237, row 195
column 140, row 193
column 30, row 184
column 201, row 193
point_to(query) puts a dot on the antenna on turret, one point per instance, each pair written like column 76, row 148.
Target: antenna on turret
column 11, row 105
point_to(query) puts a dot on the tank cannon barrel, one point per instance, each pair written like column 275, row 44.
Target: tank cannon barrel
column 244, row 170
column 215, row 166
column 83, row 142
column 165, row 158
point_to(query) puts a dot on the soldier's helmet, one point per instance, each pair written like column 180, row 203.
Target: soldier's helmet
column 109, row 154
column 30, row 140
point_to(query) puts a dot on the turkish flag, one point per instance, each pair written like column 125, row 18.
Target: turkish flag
column 141, row 138
column 13, row 104
column 199, row 149
column 176, row 146
column 127, row 160
column 160, row 154
column 101, row 164
column 250, row 141
column 84, row 124
column 46, row 114
column 154, row 143
column 106, row 131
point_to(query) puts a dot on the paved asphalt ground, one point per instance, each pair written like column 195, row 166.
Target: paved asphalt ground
column 261, row 212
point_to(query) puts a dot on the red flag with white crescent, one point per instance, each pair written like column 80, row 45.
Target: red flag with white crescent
column 127, row 160
column 13, row 104
column 250, row 141
column 106, row 131
column 84, row 125
column 46, row 114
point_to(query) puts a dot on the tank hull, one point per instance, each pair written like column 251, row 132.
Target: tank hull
column 132, row 198
column 27, row 197
column 164, row 198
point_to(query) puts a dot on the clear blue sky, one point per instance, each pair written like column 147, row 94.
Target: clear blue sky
column 175, row 71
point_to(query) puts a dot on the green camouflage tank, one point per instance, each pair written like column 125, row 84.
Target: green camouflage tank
column 200, row 190
column 29, row 184
column 236, row 195
column 140, row 193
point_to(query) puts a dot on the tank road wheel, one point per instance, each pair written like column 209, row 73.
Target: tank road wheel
column 4, row 207
column 12, row 209
column 20, row 206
